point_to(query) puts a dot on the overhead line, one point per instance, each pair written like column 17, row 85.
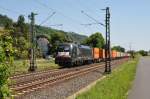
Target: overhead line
column 45, row 5
column 12, row 11
column 93, row 24
column 67, row 17
column 47, row 18
column 56, row 25
column 92, row 18
column 85, row 6
column 87, row 9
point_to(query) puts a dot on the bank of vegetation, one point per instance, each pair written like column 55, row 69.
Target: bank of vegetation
column 115, row 85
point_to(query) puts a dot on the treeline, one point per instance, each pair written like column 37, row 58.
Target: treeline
column 143, row 52
column 97, row 40
column 20, row 34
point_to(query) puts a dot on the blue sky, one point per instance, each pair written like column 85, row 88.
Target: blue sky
column 129, row 18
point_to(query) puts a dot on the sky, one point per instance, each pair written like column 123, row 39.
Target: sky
column 129, row 18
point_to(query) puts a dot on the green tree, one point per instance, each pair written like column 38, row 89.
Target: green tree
column 21, row 21
column 21, row 29
column 95, row 40
column 143, row 53
column 6, row 60
column 22, row 47
column 56, row 38
column 6, row 22
column 118, row 48
column 20, row 37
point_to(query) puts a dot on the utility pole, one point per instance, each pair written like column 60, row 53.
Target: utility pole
column 107, row 45
column 131, row 51
column 33, row 65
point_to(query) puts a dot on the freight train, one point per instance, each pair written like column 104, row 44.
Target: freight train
column 71, row 54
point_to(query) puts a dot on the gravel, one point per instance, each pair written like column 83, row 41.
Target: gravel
column 64, row 89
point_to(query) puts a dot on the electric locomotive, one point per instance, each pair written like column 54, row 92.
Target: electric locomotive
column 70, row 54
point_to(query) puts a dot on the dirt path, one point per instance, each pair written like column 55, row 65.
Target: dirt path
column 141, row 87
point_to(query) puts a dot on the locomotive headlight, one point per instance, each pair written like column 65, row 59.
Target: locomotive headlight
column 63, row 54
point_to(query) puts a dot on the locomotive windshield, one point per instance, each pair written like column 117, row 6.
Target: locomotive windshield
column 64, row 48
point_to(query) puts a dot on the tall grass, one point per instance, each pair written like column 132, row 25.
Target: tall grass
column 115, row 85
column 22, row 66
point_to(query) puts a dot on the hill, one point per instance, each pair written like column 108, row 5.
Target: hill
column 47, row 31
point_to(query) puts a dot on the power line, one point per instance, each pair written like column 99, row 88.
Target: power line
column 93, row 24
column 84, row 8
column 92, row 18
column 67, row 17
column 56, row 25
column 47, row 18
column 9, row 10
column 71, row 5
column 87, row 7
column 45, row 5
column 12, row 11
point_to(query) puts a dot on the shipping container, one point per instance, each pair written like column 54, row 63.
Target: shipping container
column 113, row 54
column 97, row 54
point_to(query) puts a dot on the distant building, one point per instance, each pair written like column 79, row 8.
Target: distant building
column 43, row 44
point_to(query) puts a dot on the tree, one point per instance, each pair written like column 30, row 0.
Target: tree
column 6, row 22
column 95, row 40
column 20, row 37
column 56, row 38
column 143, row 53
column 22, row 47
column 6, row 60
column 21, row 20
column 21, row 28
column 118, row 48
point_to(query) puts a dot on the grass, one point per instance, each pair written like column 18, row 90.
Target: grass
column 21, row 66
column 115, row 85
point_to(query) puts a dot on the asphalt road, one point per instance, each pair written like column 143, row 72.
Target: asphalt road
column 141, row 87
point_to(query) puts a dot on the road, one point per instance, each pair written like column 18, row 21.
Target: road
column 141, row 85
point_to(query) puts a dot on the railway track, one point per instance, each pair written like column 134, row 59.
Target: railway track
column 53, row 77
column 27, row 78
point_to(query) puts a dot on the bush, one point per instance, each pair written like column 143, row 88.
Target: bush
column 6, row 60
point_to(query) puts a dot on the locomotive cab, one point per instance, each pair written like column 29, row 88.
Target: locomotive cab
column 63, row 56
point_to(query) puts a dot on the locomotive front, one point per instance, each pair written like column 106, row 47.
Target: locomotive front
column 63, row 56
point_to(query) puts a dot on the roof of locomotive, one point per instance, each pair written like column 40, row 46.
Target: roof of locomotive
column 84, row 47
column 80, row 46
column 67, row 44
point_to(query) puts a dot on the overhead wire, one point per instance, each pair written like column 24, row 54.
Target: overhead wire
column 67, row 17
column 92, row 18
column 45, row 5
column 84, row 6
column 47, row 18
column 12, row 11
column 86, row 27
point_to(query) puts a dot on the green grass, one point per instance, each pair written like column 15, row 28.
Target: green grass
column 21, row 66
column 115, row 85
